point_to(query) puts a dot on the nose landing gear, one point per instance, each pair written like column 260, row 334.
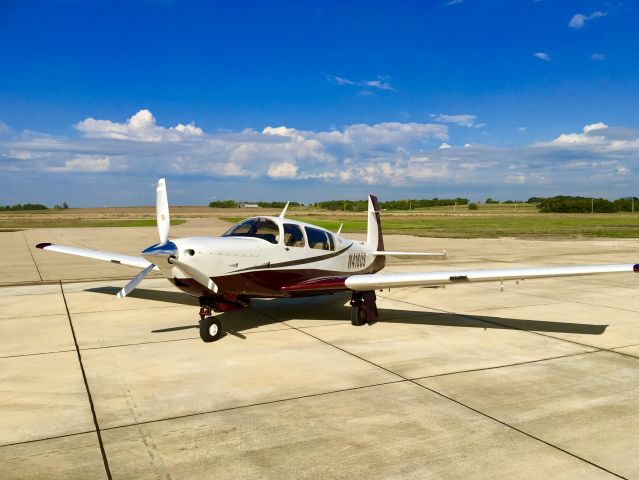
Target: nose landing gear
column 364, row 309
column 210, row 329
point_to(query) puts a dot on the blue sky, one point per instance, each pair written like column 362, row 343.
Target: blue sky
column 315, row 100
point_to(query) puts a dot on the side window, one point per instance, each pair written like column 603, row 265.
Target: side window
column 293, row 236
column 316, row 239
column 331, row 241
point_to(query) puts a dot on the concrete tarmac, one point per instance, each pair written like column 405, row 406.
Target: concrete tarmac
column 537, row 381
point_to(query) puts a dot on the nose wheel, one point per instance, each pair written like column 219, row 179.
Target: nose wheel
column 210, row 329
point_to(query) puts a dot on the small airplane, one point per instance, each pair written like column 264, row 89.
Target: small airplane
column 274, row 257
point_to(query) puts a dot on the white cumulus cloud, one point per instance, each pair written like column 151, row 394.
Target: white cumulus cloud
column 91, row 164
column 387, row 154
column 380, row 83
column 463, row 120
column 282, row 170
column 141, row 127
column 579, row 20
column 542, row 56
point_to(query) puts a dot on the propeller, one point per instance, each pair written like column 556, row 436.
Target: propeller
column 162, row 211
column 165, row 250
column 197, row 275
column 129, row 287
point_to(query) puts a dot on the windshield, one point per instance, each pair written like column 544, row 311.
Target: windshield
column 256, row 228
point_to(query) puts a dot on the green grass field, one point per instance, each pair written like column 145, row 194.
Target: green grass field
column 486, row 226
column 22, row 223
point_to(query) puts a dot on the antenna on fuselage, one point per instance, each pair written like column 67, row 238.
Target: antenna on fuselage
column 339, row 230
column 284, row 211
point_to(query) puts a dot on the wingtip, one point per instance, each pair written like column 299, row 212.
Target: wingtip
column 43, row 245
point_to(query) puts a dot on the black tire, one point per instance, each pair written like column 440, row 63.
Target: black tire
column 211, row 329
column 358, row 315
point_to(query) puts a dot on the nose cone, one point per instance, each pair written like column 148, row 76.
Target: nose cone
column 159, row 254
column 165, row 249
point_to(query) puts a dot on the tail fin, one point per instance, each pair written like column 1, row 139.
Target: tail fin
column 374, row 238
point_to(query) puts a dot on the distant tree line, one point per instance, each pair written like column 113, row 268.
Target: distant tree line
column 557, row 204
column 490, row 201
column 567, row 204
column 30, row 206
column 408, row 204
column 23, row 206
column 234, row 204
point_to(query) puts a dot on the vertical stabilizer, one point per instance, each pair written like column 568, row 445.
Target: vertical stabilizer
column 374, row 233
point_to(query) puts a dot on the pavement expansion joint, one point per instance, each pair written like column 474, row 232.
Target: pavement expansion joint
column 36, row 354
column 55, row 437
column 501, row 422
column 31, row 253
column 133, row 309
column 257, row 404
column 515, row 307
column 496, row 367
column 86, row 385
column 523, row 432
column 559, row 300
column 541, row 334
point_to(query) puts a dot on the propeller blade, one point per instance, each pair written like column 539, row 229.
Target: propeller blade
column 129, row 287
column 162, row 211
column 197, row 275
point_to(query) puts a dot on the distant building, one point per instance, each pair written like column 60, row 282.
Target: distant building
column 250, row 205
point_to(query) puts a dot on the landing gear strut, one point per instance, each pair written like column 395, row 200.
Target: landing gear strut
column 364, row 309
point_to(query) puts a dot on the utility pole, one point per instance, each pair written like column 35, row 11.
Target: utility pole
column 592, row 205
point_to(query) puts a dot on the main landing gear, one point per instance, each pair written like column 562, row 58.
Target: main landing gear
column 364, row 309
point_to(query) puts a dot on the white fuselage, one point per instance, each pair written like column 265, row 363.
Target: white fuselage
column 245, row 265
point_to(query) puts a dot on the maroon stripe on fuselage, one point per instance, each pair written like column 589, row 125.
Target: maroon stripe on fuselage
column 273, row 283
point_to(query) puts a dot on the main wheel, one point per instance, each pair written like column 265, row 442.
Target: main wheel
column 358, row 315
column 210, row 329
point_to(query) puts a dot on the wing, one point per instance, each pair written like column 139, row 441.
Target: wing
column 378, row 281
column 105, row 256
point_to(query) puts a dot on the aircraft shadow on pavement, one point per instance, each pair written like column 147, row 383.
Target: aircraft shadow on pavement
column 147, row 294
column 335, row 308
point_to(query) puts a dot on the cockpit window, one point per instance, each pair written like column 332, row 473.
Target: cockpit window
column 318, row 239
column 293, row 236
column 257, row 228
